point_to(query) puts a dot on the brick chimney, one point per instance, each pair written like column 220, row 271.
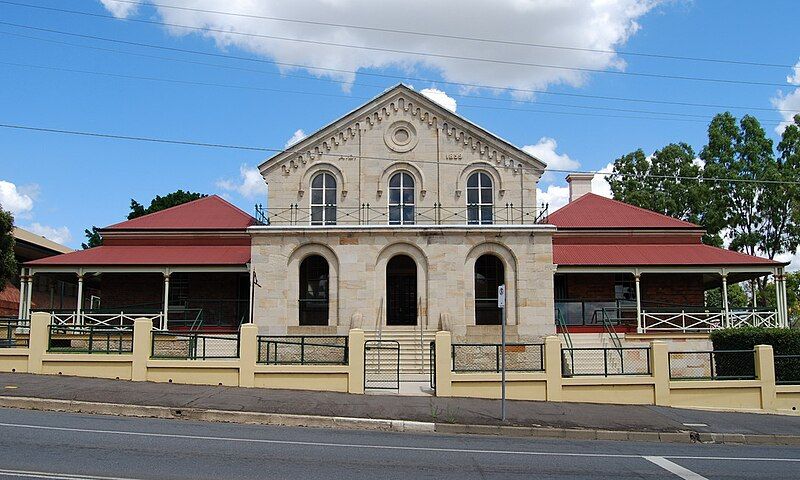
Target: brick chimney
column 579, row 185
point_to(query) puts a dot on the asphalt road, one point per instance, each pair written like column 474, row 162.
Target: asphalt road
column 68, row 446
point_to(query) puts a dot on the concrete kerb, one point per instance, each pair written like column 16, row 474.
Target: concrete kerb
column 387, row 425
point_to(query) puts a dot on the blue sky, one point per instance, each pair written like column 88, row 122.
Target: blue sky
column 58, row 184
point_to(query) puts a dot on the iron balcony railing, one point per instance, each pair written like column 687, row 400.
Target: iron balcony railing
column 89, row 339
column 605, row 361
column 14, row 332
column 713, row 365
column 373, row 215
column 195, row 345
column 303, row 350
column 486, row 357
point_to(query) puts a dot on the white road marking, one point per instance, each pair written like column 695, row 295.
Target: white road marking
column 382, row 447
column 55, row 475
column 675, row 469
column 695, row 425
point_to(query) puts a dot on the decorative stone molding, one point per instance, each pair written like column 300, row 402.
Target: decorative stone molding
column 401, row 136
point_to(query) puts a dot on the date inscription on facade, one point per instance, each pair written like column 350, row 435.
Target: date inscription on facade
column 453, row 156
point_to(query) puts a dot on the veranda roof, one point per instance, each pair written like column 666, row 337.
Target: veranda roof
column 133, row 255
column 654, row 255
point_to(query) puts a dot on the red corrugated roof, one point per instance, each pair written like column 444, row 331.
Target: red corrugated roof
column 150, row 255
column 207, row 213
column 642, row 255
column 594, row 211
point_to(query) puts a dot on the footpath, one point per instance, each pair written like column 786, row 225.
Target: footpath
column 393, row 412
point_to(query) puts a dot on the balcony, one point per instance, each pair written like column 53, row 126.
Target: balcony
column 436, row 214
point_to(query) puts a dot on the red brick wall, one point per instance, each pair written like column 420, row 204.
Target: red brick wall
column 656, row 289
column 123, row 289
column 684, row 289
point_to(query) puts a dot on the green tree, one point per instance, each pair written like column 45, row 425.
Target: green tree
column 737, row 297
column 760, row 209
column 162, row 203
column 767, row 297
column 667, row 182
column 8, row 263
column 179, row 197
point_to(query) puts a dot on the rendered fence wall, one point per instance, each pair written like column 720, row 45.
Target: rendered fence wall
column 243, row 371
column 656, row 388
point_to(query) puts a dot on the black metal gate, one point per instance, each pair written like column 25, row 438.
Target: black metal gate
column 381, row 365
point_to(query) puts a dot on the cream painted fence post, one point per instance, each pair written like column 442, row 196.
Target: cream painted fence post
column 765, row 370
column 444, row 372
column 248, row 354
column 659, row 368
column 37, row 340
column 142, row 348
column 552, row 368
column 355, row 358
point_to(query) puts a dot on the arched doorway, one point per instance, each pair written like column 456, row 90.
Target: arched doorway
column 313, row 295
column 401, row 291
column 489, row 274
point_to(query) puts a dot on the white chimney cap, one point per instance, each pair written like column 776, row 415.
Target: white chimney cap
column 579, row 185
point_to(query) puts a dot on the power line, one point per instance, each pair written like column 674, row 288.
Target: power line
column 416, row 53
column 451, row 37
column 364, row 157
column 688, row 117
column 353, row 72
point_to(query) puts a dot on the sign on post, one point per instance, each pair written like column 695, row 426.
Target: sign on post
column 501, row 296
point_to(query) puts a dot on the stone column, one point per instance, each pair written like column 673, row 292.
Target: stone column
column 23, row 280
column 553, row 368
column 79, row 305
column 726, row 319
column 639, row 322
column 248, row 354
column 659, row 367
column 142, row 348
column 37, row 341
column 444, row 372
column 765, row 371
column 355, row 357
column 165, row 317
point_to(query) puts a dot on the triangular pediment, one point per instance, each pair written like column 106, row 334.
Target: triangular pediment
column 326, row 142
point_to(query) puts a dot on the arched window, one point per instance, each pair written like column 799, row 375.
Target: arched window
column 489, row 274
column 479, row 199
column 323, row 199
column 314, row 285
column 401, row 291
column 401, row 199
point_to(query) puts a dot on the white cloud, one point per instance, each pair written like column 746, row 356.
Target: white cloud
column 249, row 185
column 121, row 9
column 555, row 197
column 17, row 200
column 600, row 185
column 545, row 150
column 296, row 137
column 440, row 97
column 788, row 103
column 595, row 24
column 793, row 258
column 57, row 234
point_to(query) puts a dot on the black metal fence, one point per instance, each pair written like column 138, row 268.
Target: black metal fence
column 13, row 332
column 303, row 350
column 605, row 361
column 486, row 357
column 436, row 214
column 432, row 365
column 713, row 365
column 195, row 345
column 381, row 365
column 787, row 369
column 89, row 339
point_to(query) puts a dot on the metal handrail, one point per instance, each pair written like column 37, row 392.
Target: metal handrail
column 563, row 327
column 437, row 214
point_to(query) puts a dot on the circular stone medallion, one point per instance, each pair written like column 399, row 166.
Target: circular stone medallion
column 401, row 136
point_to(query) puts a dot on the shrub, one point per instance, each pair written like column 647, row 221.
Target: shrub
column 783, row 340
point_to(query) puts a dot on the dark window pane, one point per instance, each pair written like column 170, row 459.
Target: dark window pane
column 489, row 274
column 394, row 196
column 486, row 181
column 408, row 180
column 472, row 214
column 314, row 286
column 316, row 215
column 316, row 196
column 473, row 180
column 330, row 182
column 394, row 215
column 395, row 180
column 330, row 197
column 408, row 215
column 408, row 196
column 486, row 195
column 317, row 181
column 330, row 215
column 472, row 195
column 486, row 215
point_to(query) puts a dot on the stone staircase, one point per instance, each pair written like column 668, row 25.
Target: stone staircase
column 414, row 358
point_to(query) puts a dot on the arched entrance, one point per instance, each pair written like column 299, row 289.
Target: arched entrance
column 401, row 291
